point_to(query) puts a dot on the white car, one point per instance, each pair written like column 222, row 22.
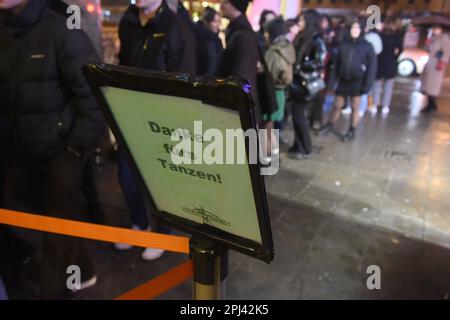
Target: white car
column 412, row 61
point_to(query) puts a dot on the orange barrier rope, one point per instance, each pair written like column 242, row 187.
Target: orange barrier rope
column 161, row 284
column 95, row 232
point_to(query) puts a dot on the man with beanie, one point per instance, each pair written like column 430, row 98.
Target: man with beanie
column 49, row 120
column 241, row 55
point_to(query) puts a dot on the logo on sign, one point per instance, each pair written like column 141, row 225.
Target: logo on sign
column 207, row 216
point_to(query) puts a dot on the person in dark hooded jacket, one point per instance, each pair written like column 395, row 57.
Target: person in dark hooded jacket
column 49, row 120
column 152, row 38
column 353, row 68
column 156, row 42
column 241, row 55
column 209, row 45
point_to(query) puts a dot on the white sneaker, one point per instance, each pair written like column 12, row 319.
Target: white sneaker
column 346, row 111
column 373, row 109
column 86, row 284
column 385, row 110
column 151, row 254
column 125, row 246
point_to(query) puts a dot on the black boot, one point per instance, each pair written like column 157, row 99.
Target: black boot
column 431, row 107
column 350, row 135
column 328, row 128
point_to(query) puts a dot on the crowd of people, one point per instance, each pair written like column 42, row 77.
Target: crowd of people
column 50, row 121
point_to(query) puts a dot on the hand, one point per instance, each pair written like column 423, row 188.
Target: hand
column 440, row 65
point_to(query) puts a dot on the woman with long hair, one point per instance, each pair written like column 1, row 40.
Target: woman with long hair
column 311, row 53
column 266, row 17
column 353, row 69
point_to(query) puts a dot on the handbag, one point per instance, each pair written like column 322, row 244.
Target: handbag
column 306, row 85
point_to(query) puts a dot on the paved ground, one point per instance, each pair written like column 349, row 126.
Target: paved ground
column 382, row 200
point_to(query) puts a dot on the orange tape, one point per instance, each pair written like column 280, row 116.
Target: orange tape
column 95, row 232
column 161, row 284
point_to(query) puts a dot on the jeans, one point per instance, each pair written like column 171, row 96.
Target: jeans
column 134, row 197
column 387, row 85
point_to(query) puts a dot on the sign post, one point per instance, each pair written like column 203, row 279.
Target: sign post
column 192, row 143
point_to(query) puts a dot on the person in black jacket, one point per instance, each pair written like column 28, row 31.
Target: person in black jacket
column 241, row 55
column 311, row 54
column 387, row 67
column 209, row 45
column 152, row 38
column 266, row 17
column 353, row 68
column 49, row 119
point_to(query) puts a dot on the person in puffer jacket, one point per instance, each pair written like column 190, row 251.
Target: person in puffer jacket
column 280, row 58
column 49, row 121
column 353, row 69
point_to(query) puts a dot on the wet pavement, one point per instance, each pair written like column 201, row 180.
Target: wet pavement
column 383, row 199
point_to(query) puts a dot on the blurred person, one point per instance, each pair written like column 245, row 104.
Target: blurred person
column 327, row 30
column 49, row 121
column 143, row 47
column 280, row 58
column 387, row 68
column 266, row 16
column 241, row 55
column 188, row 30
column 293, row 29
column 93, row 31
column 373, row 37
column 316, row 116
column 354, row 69
column 89, row 25
column 3, row 294
column 311, row 53
column 433, row 75
column 209, row 45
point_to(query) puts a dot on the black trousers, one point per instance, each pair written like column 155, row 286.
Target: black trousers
column 317, row 108
column 302, row 142
column 56, row 184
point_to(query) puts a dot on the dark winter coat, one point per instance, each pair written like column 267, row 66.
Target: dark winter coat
column 241, row 56
column 387, row 59
column 209, row 50
column 159, row 45
column 354, row 67
column 45, row 101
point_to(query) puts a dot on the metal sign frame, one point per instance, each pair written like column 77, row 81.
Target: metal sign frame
column 232, row 94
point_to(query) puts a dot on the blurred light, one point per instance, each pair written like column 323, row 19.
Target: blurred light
column 196, row 18
column 204, row 4
column 90, row 8
column 133, row 1
column 107, row 13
